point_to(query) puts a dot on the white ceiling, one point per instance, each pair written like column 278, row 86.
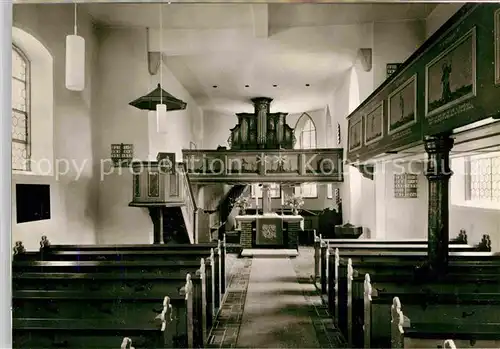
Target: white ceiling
column 260, row 45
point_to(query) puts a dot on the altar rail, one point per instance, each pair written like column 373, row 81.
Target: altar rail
column 286, row 165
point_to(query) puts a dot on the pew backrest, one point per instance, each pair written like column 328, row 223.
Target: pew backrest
column 130, row 247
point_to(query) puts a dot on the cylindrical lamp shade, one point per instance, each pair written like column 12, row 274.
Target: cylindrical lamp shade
column 75, row 63
column 161, row 118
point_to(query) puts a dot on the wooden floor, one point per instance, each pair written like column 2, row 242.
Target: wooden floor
column 272, row 303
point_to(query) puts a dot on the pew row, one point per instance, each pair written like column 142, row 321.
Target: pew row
column 407, row 333
column 322, row 251
column 47, row 314
column 160, row 272
column 347, row 282
column 171, row 252
column 461, row 239
column 463, row 311
column 218, row 247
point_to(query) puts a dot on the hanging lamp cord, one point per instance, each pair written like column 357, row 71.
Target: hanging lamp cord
column 161, row 53
column 75, row 27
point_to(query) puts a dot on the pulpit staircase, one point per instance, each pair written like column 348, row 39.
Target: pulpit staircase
column 225, row 206
column 174, row 226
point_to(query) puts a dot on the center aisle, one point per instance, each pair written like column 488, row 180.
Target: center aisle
column 276, row 313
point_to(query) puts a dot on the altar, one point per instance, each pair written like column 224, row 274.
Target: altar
column 270, row 230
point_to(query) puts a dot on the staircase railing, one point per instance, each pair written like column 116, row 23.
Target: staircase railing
column 190, row 209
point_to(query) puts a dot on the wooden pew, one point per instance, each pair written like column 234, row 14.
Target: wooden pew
column 381, row 249
column 129, row 247
column 128, row 267
column 400, row 277
column 146, row 258
column 322, row 250
column 367, row 254
column 447, row 305
column 218, row 247
column 75, row 311
column 461, row 238
column 26, row 265
column 215, row 267
column 395, row 264
column 430, row 334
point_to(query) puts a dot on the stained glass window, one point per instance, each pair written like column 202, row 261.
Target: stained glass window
column 484, row 179
column 307, row 140
column 20, row 111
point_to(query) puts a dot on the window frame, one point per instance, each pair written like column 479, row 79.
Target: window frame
column 309, row 128
column 468, row 200
column 27, row 113
column 254, row 191
column 299, row 191
column 329, row 191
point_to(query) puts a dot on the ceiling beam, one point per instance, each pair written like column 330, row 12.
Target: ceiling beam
column 260, row 15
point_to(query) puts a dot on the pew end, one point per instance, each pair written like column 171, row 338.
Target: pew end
column 126, row 343
column 350, row 275
column 449, row 344
column 317, row 244
column 44, row 242
column 18, row 248
column 367, row 311
column 167, row 319
column 398, row 324
column 461, row 238
column 485, row 244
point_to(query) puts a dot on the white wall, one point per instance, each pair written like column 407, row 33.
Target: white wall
column 440, row 15
column 216, row 128
column 124, row 76
column 400, row 218
column 361, row 196
column 73, row 194
column 394, row 42
column 89, row 203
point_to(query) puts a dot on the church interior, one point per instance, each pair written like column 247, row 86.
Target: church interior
column 254, row 175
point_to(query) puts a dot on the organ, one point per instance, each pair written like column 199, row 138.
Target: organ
column 261, row 129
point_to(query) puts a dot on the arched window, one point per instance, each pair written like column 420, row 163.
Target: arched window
column 32, row 106
column 307, row 140
column 21, row 151
column 308, row 135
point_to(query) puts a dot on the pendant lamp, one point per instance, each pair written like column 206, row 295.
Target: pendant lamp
column 159, row 100
column 156, row 97
column 75, row 60
column 161, row 118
